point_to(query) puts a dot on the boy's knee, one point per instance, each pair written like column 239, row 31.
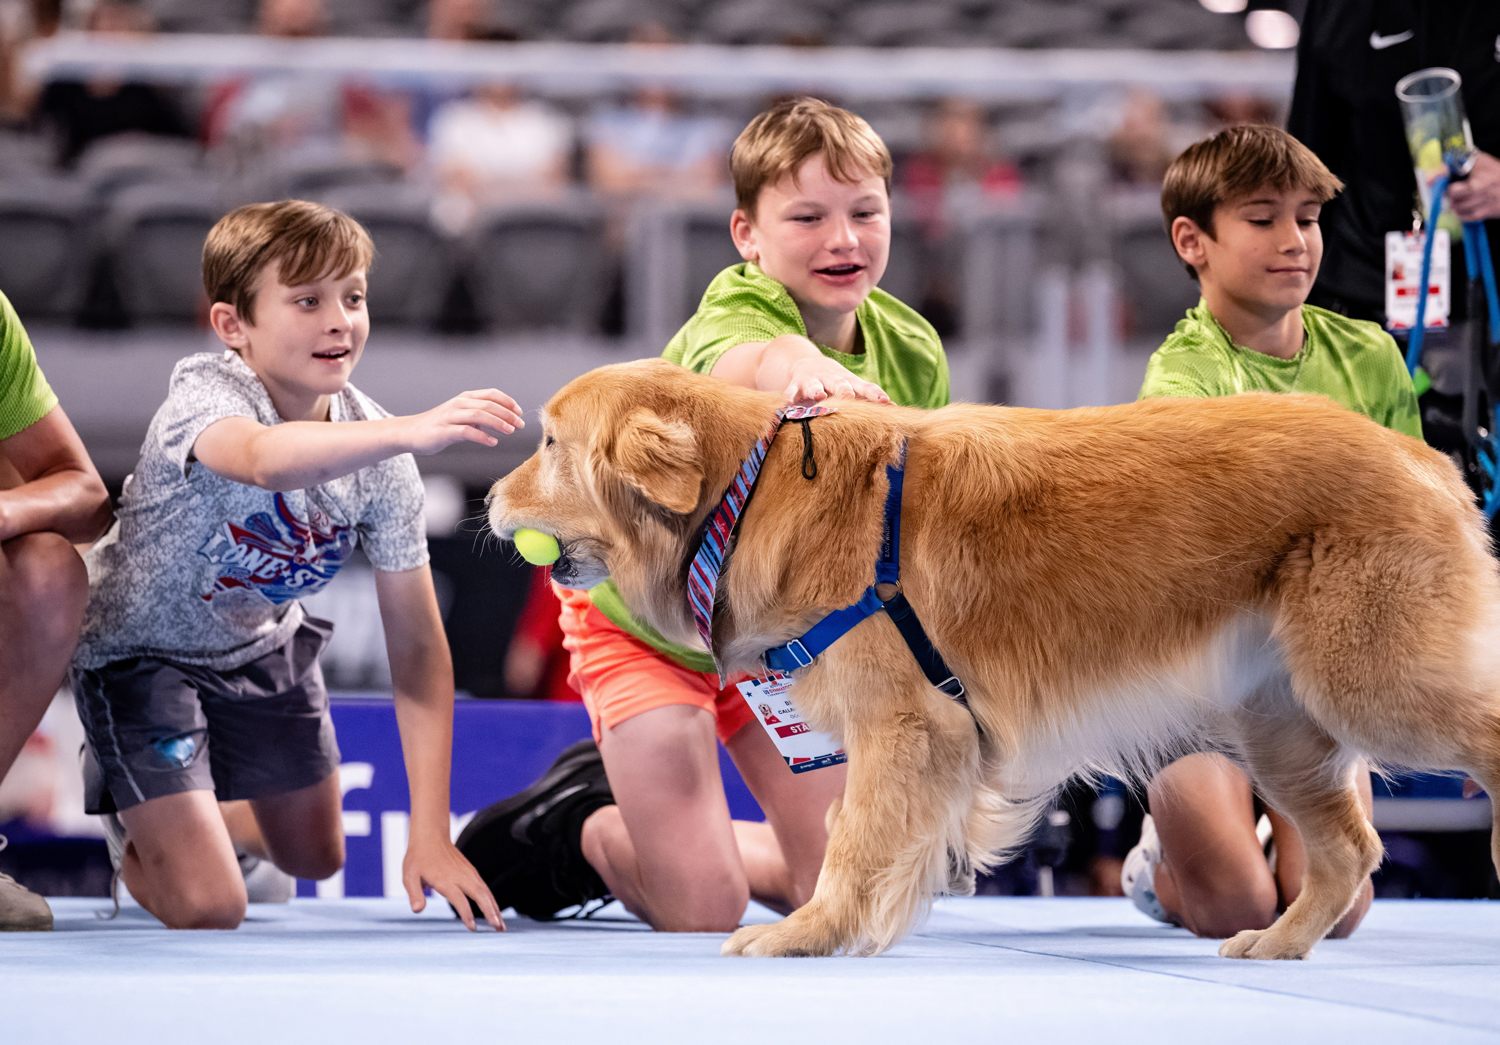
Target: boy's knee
column 47, row 578
column 1228, row 903
column 317, row 861
column 705, row 910
column 205, row 907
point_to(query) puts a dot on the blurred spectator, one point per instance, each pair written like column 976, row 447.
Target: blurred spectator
column 276, row 111
column 957, row 170
column 1238, row 110
column 75, row 114
column 291, row 19
column 957, row 166
column 650, row 147
column 1142, row 145
column 466, row 20
column 496, row 146
column 536, row 664
column 21, row 21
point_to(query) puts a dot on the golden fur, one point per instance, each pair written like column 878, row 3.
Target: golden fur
column 1271, row 576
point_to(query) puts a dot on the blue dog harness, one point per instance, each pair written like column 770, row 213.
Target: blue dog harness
column 707, row 566
column 801, row 652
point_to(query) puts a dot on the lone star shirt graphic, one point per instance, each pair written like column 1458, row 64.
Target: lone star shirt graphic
column 277, row 557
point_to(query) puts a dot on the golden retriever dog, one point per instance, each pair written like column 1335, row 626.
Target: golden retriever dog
column 1272, row 577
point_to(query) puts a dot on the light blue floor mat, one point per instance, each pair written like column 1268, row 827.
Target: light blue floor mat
column 989, row 969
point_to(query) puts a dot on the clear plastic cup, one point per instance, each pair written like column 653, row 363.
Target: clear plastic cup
column 1437, row 131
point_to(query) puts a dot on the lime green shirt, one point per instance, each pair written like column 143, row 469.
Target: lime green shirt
column 1352, row 362
column 902, row 354
column 25, row 396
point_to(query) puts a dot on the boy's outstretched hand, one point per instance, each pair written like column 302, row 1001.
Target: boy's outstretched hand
column 813, row 380
column 438, row 865
column 465, row 416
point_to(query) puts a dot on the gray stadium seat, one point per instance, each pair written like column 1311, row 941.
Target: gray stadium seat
column 676, row 249
column 540, row 265
column 1034, row 23
column 764, row 22
column 999, row 270
column 313, row 171
column 1153, row 282
column 43, row 264
column 155, row 233
column 1180, row 27
column 413, row 263
column 610, row 21
column 114, row 163
column 906, row 24
column 203, row 16
column 24, row 155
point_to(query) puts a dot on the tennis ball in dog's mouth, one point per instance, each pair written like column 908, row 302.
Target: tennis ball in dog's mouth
column 537, row 548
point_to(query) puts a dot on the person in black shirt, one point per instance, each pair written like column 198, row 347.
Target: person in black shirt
column 1344, row 108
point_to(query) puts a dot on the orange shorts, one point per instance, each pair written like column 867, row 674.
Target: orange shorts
column 620, row 676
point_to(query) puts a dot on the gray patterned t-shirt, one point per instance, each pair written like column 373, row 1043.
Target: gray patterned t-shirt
column 200, row 569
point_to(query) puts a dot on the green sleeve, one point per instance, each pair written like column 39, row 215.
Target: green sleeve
column 941, row 394
column 1175, row 376
column 711, row 333
column 25, row 396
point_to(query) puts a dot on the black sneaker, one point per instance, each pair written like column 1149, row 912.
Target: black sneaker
column 528, row 847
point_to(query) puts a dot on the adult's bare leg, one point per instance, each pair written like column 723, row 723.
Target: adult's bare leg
column 1213, row 878
column 782, row 856
column 666, row 849
column 179, row 862
column 43, row 590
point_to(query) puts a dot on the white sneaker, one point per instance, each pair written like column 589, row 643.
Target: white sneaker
column 264, row 881
column 1138, row 875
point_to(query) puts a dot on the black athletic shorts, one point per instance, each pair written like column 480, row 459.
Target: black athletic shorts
column 157, row 728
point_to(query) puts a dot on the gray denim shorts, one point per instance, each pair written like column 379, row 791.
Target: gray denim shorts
column 157, row 728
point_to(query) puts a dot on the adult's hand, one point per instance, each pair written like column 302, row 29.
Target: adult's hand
column 1477, row 197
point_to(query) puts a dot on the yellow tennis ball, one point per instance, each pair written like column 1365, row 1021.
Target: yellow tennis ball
column 537, row 548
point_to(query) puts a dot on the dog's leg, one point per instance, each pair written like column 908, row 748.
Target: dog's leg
column 1304, row 775
column 913, row 768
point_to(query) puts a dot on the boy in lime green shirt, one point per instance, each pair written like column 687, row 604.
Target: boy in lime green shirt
column 801, row 316
column 50, row 498
column 1242, row 208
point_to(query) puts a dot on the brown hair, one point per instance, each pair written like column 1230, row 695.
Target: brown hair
column 1234, row 163
column 308, row 241
column 779, row 140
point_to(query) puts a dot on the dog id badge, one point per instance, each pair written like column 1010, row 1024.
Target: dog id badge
column 1403, row 276
column 803, row 748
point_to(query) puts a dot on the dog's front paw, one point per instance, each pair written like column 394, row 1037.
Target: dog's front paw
column 778, row 940
column 1261, row 943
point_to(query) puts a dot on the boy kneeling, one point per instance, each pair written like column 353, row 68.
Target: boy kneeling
column 1242, row 209
column 197, row 673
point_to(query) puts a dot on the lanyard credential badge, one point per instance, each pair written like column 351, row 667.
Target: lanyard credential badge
column 802, row 747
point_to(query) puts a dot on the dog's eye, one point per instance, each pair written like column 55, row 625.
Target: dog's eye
column 549, row 441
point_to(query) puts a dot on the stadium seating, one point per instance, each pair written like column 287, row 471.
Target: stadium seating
column 155, row 232
column 1153, row 282
column 540, row 265
column 414, row 265
column 43, row 224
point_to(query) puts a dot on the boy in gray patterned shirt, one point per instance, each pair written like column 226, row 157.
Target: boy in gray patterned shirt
column 197, row 674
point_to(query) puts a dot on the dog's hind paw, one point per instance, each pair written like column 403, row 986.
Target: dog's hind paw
column 1261, row 943
column 772, row 941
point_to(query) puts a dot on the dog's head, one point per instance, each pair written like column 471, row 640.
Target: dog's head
column 632, row 457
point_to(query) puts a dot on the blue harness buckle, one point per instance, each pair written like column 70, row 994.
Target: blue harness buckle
column 798, row 653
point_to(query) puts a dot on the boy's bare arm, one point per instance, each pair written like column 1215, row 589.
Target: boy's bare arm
column 422, row 676
column 793, row 365
column 298, row 454
column 47, row 482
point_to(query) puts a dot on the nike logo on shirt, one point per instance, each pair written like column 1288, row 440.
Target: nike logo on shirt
column 1380, row 43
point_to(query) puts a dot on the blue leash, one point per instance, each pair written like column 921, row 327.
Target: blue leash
column 1477, row 257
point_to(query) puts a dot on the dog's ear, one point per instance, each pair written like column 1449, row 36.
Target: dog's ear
column 659, row 458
